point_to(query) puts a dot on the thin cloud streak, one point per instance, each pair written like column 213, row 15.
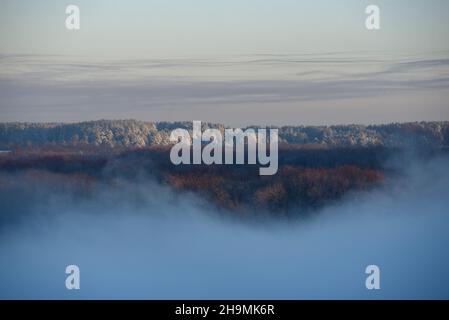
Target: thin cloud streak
column 48, row 85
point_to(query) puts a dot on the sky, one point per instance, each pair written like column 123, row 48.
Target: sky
column 238, row 62
column 149, row 29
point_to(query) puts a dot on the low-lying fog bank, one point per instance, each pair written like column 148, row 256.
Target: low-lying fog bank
column 144, row 242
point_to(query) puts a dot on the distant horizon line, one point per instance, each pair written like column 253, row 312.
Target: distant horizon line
column 224, row 124
column 216, row 55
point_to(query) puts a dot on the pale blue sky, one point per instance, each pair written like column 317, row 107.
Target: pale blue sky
column 142, row 28
column 233, row 61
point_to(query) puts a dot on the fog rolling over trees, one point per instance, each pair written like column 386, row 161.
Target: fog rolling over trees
column 142, row 240
column 105, row 196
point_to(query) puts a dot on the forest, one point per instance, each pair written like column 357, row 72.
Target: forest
column 317, row 165
column 308, row 177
